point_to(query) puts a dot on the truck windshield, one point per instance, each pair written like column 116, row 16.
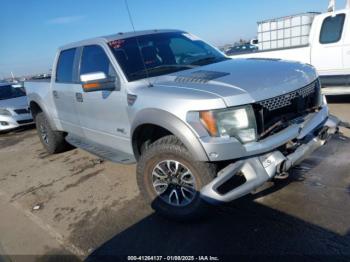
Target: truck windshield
column 8, row 92
column 162, row 53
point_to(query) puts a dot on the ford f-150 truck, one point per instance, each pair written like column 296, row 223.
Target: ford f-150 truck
column 203, row 128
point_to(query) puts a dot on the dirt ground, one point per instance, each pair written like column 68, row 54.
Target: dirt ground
column 77, row 205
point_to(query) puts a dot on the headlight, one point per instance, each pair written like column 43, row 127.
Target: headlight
column 238, row 122
column 4, row 112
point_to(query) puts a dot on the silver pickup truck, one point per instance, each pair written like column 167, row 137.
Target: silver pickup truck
column 201, row 126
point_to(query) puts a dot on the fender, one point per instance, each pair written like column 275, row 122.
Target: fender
column 174, row 125
column 37, row 99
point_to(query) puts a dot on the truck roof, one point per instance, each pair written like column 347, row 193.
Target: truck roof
column 117, row 36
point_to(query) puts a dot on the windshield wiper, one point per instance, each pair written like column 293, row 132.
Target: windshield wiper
column 160, row 68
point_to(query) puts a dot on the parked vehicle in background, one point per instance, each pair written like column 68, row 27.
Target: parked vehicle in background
column 322, row 40
column 201, row 127
column 241, row 49
column 41, row 77
column 14, row 110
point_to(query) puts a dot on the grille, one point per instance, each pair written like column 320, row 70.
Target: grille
column 21, row 111
column 284, row 108
column 287, row 99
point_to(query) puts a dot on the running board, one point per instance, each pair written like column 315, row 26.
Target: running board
column 101, row 151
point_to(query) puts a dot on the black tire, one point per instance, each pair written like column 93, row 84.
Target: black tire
column 171, row 148
column 54, row 141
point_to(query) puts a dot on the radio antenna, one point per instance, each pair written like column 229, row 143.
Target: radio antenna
column 138, row 43
column 130, row 17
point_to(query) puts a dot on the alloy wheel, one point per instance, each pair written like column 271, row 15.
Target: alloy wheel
column 174, row 183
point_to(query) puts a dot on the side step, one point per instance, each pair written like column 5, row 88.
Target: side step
column 101, row 151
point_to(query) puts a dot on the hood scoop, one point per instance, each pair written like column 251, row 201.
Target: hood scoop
column 200, row 77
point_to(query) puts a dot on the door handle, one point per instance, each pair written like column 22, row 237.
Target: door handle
column 79, row 97
column 55, row 94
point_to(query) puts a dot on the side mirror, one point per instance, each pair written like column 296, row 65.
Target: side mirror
column 97, row 81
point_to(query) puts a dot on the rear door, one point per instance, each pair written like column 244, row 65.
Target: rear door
column 64, row 88
column 327, row 50
column 103, row 114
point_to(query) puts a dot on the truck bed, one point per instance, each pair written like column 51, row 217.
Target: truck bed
column 48, row 80
column 41, row 87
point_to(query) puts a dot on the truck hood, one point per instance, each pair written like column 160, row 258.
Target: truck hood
column 242, row 81
column 14, row 103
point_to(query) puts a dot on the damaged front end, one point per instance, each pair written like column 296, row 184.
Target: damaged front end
column 252, row 172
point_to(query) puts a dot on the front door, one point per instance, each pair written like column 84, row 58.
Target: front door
column 103, row 114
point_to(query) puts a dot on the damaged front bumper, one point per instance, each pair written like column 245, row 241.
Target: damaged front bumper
column 255, row 171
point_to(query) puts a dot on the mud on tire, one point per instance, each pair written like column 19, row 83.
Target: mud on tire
column 163, row 150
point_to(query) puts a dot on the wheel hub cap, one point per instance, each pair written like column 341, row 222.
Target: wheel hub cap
column 174, row 183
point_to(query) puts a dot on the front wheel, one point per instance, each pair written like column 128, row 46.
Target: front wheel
column 170, row 179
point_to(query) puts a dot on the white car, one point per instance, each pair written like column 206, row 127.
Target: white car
column 14, row 110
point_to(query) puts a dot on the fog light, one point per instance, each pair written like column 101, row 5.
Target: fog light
column 4, row 123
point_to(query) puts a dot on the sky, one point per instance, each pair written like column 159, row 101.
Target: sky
column 31, row 30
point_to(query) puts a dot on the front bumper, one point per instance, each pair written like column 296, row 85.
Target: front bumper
column 14, row 121
column 259, row 169
column 223, row 149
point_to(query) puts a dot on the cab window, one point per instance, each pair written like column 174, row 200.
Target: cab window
column 332, row 29
column 181, row 46
column 94, row 59
column 65, row 65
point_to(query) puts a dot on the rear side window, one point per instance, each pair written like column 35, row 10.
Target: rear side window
column 332, row 29
column 65, row 65
column 94, row 59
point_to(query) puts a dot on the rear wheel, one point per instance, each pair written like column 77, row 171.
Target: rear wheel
column 170, row 179
column 53, row 141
